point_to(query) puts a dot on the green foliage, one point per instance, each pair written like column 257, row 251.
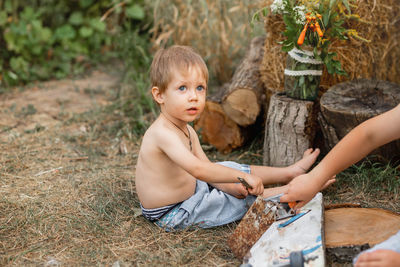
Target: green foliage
column 134, row 100
column 51, row 39
column 333, row 17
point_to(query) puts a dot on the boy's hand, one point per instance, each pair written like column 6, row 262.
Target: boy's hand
column 302, row 189
column 256, row 184
column 235, row 189
column 380, row 257
column 238, row 191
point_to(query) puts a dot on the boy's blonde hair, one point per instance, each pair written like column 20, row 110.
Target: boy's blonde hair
column 174, row 58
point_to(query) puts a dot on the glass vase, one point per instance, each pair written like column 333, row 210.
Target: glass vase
column 302, row 75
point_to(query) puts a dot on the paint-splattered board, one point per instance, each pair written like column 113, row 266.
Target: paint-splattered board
column 305, row 234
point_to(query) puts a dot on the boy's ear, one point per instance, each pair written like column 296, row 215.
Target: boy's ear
column 157, row 95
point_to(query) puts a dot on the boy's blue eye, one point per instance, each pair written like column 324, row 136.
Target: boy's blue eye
column 182, row 88
column 200, row 88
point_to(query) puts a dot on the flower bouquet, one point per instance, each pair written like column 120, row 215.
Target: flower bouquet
column 310, row 28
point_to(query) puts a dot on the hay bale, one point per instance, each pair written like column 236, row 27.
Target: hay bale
column 377, row 59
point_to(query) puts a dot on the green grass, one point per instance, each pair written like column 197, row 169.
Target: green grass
column 373, row 177
column 371, row 184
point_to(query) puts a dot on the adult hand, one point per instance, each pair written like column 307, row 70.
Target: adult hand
column 380, row 257
column 302, row 189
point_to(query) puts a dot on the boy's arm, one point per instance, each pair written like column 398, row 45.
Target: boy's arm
column 209, row 172
column 234, row 189
column 366, row 137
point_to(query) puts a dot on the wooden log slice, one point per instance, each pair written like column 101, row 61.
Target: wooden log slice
column 348, row 231
column 346, row 105
column 289, row 130
column 242, row 106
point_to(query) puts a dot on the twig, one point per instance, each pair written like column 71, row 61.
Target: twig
column 108, row 12
column 12, row 175
column 78, row 159
column 52, row 170
column 208, row 252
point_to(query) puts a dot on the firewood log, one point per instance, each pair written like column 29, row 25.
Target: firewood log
column 217, row 129
column 243, row 98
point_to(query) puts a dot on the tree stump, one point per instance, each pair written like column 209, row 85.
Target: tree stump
column 242, row 101
column 348, row 231
column 346, row 105
column 289, row 130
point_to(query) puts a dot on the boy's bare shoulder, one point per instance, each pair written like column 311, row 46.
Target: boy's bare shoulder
column 152, row 133
column 157, row 133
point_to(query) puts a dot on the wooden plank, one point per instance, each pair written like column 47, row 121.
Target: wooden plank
column 305, row 234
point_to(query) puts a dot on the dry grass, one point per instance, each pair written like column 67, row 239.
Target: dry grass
column 87, row 212
column 68, row 197
column 67, row 194
column 219, row 30
column 377, row 59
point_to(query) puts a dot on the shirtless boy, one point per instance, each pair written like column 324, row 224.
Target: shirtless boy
column 176, row 183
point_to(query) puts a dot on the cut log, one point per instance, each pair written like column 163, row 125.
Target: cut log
column 289, row 130
column 219, row 130
column 346, row 105
column 243, row 98
column 348, row 231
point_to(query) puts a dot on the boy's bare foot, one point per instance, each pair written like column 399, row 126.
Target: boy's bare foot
column 302, row 166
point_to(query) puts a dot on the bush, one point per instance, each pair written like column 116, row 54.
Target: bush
column 52, row 39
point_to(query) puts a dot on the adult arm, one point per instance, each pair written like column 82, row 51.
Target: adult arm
column 366, row 137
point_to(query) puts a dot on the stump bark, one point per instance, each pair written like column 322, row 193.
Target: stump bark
column 289, row 130
column 348, row 231
column 242, row 101
column 346, row 105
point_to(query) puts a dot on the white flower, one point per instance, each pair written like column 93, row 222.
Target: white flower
column 300, row 14
column 278, row 6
